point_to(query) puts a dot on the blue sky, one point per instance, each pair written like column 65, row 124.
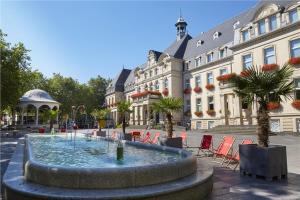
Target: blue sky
column 83, row 39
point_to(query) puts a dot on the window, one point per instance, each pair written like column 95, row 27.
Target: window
column 198, row 61
column 150, row 73
column 210, row 124
column 223, row 71
column 273, row 22
column 210, row 78
column 293, row 15
column 155, row 71
column 295, row 48
column 209, row 57
column 222, row 53
column 139, row 89
column 269, row 55
column 151, row 86
column 261, row 27
column 216, row 35
column 200, row 42
column 188, row 105
column 146, row 75
column 246, row 35
column 247, row 61
column 187, row 83
column 198, row 125
column 146, row 87
column 197, row 81
column 210, row 103
column 186, row 66
column 157, row 85
column 166, row 83
column 198, row 105
column 297, row 89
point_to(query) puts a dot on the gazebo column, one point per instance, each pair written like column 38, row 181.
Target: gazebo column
column 37, row 116
column 22, row 116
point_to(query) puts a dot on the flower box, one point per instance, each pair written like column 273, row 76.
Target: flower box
column 145, row 93
column 226, row 77
column 296, row 104
column 165, row 92
column 269, row 67
column 294, row 61
column 197, row 89
column 211, row 112
column 245, row 73
column 210, row 86
column 187, row 91
column 198, row 113
column 273, row 105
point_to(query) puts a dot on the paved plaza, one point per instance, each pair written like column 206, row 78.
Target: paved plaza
column 228, row 184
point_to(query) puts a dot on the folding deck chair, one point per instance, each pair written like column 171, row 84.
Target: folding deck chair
column 206, row 145
column 224, row 148
column 147, row 138
column 155, row 138
column 183, row 135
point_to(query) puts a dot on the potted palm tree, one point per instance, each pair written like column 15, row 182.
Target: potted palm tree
column 124, row 109
column 262, row 87
column 167, row 106
column 100, row 116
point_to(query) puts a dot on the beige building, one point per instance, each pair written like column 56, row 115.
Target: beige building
column 195, row 69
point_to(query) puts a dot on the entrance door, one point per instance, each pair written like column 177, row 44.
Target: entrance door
column 275, row 125
column 298, row 125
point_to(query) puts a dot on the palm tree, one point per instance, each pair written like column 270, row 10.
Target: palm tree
column 100, row 114
column 124, row 108
column 50, row 115
column 167, row 106
column 263, row 87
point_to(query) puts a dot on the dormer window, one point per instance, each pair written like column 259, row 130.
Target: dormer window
column 216, row 35
column 245, row 35
column 222, row 53
column 198, row 61
column 199, row 43
column 293, row 16
column 272, row 22
column 209, row 57
column 235, row 25
column 261, row 27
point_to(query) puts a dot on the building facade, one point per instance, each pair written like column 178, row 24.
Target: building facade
column 196, row 69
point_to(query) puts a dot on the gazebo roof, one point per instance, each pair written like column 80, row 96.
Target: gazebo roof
column 37, row 95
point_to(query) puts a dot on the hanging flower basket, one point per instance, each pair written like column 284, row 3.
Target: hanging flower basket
column 245, row 73
column 187, row 113
column 226, row 77
column 211, row 112
column 210, row 86
column 273, row 105
column 197, row 89
column 198, row 113
column 165, row 92
column 145, row 93
column 296, row 104
column 294, row 61
column 269, row 67
column 187, row 91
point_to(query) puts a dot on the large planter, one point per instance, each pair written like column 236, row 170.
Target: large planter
column 128, row 136
column 101, row 133
column 173, row 142
column 269, row 162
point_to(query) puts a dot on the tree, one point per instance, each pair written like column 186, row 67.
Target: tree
column 167, row 106
column 263, row 87
column 49, row 115
column 123, row 108
column 100, row 114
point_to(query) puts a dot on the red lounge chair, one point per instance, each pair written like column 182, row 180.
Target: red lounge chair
column 147, row 138
column 114, row 135
column 184, row 138
column 206, row 145
column 155, row 138
column 136, row 135
column 224, row 148
column 236, row 156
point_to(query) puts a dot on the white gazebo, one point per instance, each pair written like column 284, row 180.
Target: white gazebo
column 38, row 99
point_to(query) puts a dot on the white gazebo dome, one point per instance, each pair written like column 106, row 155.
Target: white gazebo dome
column 37, row 95
column 39, row 99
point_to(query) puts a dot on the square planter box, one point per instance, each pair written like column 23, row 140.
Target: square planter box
column 269, row 162
column 101, row 133
column 173, row 142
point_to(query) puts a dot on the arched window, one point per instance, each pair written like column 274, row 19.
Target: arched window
column 156, row 85
column 151, row 86
column 166, row 83
column 145, row 87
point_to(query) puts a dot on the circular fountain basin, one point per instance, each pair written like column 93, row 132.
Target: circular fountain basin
column 83, row 164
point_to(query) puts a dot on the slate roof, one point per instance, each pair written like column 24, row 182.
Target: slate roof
column 129, row 83
column 177, row 48
column 117, row 84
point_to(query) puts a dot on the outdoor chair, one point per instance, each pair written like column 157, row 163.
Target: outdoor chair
column 206, row 145
column 114, row 135
column 225, row 148
column 155, row 138
column 183, row 135
column 147, row 138
column 236, row 156
column 136, row 135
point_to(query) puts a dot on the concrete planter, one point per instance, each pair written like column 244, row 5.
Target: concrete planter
column 173, row 142
column 101, row 133
column 269, row 162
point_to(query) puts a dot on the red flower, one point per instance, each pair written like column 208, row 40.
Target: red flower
column 294, row 61
column 269, row 67
column 296, row 104
column 273, row 105
column 197, row 89
column 210, row 86
column 211, row 112
column 165, row 92
column 145, row 93
column 226, row 77
column 187, row 91
column 198, row 113
column 245, row 73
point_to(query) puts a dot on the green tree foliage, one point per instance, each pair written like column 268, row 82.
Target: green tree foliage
column 49, row 115
column 263, row 87
column 167, row 106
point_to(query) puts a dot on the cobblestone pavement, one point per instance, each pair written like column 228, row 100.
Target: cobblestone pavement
column 228, row 184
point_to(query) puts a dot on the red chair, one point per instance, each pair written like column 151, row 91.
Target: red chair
column 206, row 145
column 114, row 135
column 136, row 135
column 155, row 139
column 183, row 135
column 236, row 156
column 224, row 148
column 41, row 130
column 147, row 138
